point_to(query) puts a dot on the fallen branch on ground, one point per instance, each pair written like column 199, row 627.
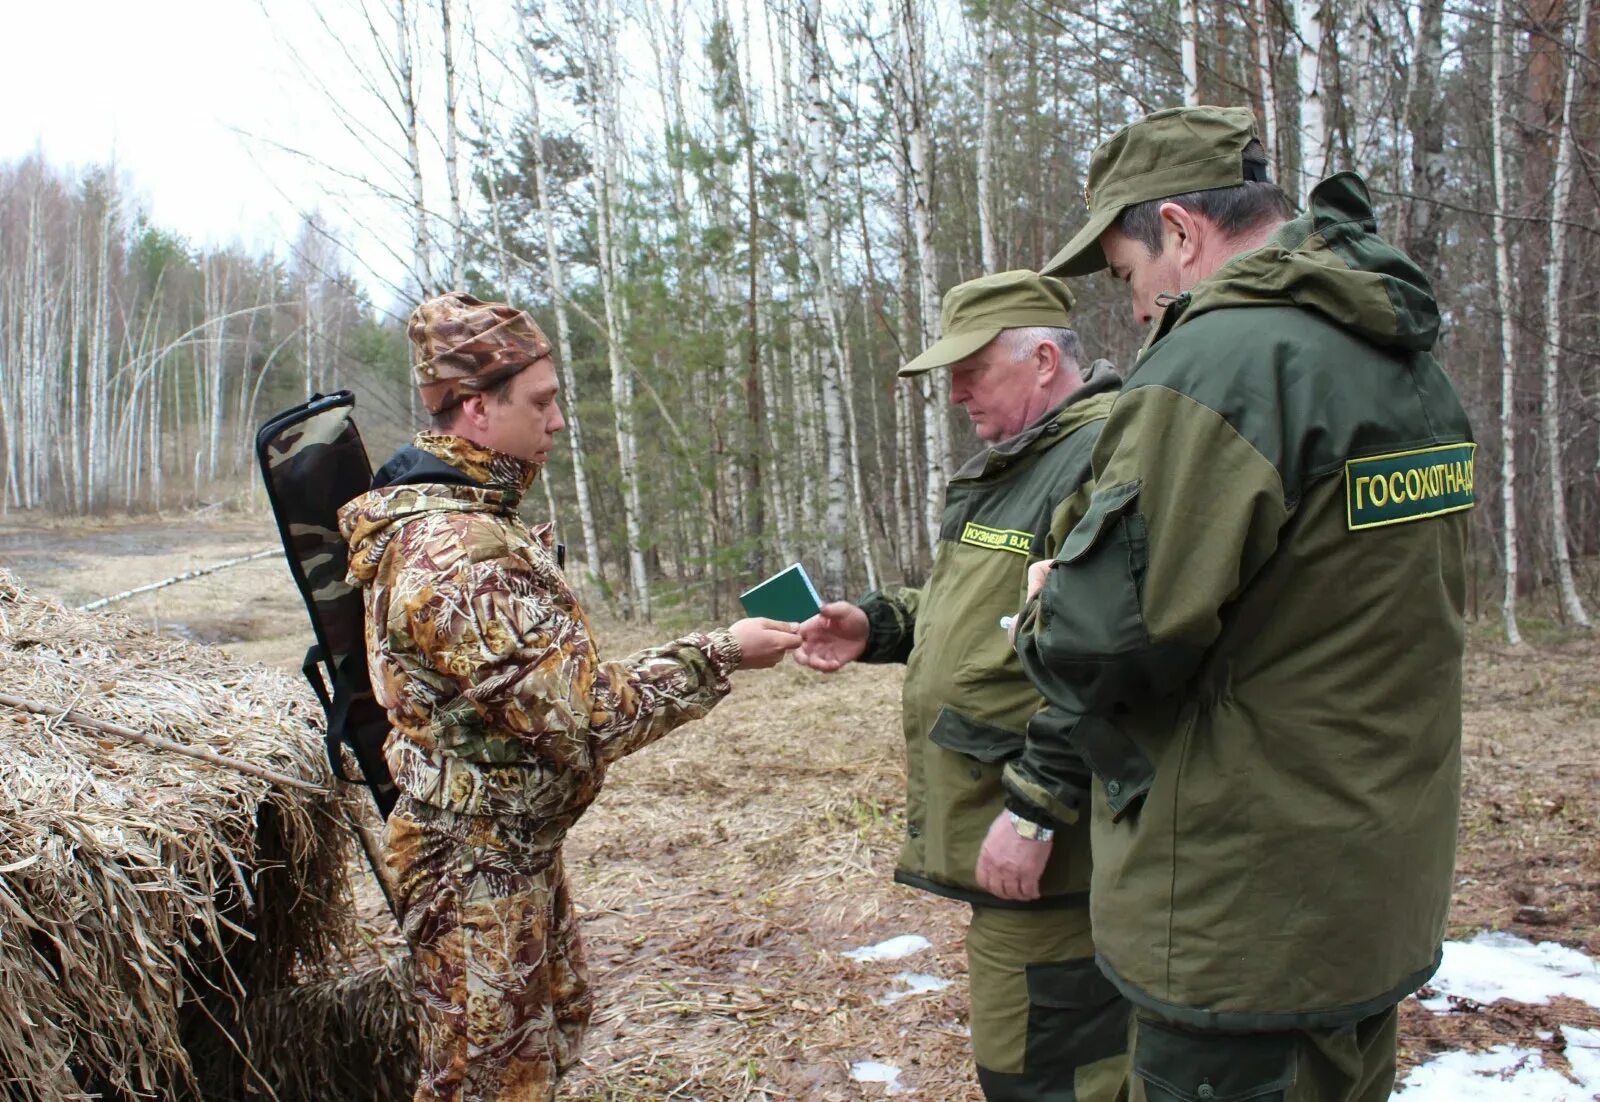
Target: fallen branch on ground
column 176, row 578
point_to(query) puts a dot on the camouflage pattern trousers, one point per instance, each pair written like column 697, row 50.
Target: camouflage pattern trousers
column 500, row 980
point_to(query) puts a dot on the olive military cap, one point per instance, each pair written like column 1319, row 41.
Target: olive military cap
column 976, row 311
column 1171, row 152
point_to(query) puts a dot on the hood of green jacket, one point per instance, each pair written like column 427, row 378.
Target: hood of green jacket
column 1330, row 260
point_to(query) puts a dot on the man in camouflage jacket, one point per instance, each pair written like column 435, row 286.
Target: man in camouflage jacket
column 505, row 718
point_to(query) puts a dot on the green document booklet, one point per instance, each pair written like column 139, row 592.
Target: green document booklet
column 787, row 595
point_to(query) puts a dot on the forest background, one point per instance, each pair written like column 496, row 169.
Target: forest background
column 735, row 219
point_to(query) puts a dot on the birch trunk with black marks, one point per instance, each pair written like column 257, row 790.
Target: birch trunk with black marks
column 1554, row 322
column 818, row 162
column 591, row 559
column 1506, row 299
column 1308, row 16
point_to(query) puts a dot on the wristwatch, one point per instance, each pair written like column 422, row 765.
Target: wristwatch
column 1028, row 829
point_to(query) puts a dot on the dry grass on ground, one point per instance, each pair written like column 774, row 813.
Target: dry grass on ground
column 726, row 869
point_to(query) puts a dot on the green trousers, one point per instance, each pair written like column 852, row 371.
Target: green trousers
column 1046, row 1025
column 1354, row 1063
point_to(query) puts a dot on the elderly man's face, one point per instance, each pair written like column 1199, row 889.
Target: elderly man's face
column 1006, row 385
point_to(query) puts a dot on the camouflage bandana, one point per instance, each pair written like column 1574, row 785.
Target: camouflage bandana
column 496, row 470
column 465, row 346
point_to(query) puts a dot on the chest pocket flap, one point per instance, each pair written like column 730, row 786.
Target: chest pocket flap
column 1105, row 507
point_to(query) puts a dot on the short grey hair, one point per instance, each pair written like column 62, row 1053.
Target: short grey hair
column 1024, row 339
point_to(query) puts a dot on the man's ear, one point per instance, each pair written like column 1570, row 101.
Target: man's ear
column 472, row 412
column 1047, row 362
column 1179, row 232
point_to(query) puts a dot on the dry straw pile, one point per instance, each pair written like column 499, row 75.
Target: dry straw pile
column 171, row 928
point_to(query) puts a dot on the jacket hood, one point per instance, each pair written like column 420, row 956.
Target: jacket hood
column 1330, row 260
column 436, row 473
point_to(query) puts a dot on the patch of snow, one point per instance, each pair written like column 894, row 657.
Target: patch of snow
column 871, row 1071
column 915, row 983
column 1583, row 1053
column 893, row 949
column 1500, row 966
column 1502, row 1074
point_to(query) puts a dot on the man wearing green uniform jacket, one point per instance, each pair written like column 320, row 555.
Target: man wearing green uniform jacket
column 1256, row 622
column 1046, row 1026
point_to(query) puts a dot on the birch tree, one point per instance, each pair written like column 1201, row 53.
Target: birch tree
column 1505, row 297
column 598, row 28
column 1189, row 39
column 591, row 559
column 1425, row 113
column 457, row 267
column 818, row 161
column 1308, row 16
column 406, row 85
column 935, row 385
column 1550, row 408
column 1266, row 74
column 986, row 139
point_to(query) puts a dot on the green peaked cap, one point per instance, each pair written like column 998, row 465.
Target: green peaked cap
column 1171, row 152
column 976, row 311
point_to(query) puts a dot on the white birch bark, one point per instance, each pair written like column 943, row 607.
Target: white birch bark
column 1265, row 55
column 1550, row 409
column 935, row 385
column 818, row 162
column 452, row 139
column 421, row 269
column 1364, row 107
column 601, row 35
column 986, row 139
column 1505, row 299
column 1189, row 49
column 853, row 460
column 910, row 500
column 75, row 368
column 215, row 346
column 1313, row 108
column 100, row 399
column 592, row 559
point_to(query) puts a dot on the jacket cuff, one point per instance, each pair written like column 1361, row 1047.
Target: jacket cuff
column 720, row 647
column 891, row 628
column 1033, row 801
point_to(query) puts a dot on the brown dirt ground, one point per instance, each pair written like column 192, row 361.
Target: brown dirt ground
column 726, row 869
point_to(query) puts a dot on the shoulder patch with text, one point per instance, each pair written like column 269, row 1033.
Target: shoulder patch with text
column 997, row 539
column 1392, row 489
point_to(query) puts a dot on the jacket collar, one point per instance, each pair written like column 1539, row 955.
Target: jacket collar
column 491, row 469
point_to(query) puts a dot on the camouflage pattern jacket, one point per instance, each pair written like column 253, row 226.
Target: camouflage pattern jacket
column 480, row 654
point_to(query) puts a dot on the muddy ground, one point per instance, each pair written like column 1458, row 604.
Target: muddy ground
column 725, row 870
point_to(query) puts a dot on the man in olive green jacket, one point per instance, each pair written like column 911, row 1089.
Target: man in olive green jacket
column 1256, row 622
column 1046, row 1026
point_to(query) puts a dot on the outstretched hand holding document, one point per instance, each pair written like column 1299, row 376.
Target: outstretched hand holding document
column 787, row 595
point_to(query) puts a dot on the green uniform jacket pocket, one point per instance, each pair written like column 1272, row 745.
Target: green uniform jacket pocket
column 1178, row 1065
column 1107, row 553
column 963, row 782
column 956, row 732
column 1121, row 766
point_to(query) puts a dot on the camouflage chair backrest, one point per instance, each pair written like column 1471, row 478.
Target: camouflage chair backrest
column 313, row 461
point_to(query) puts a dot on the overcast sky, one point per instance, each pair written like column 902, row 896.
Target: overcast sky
column 158, row 85
column 189, row 98
column 192, row 98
